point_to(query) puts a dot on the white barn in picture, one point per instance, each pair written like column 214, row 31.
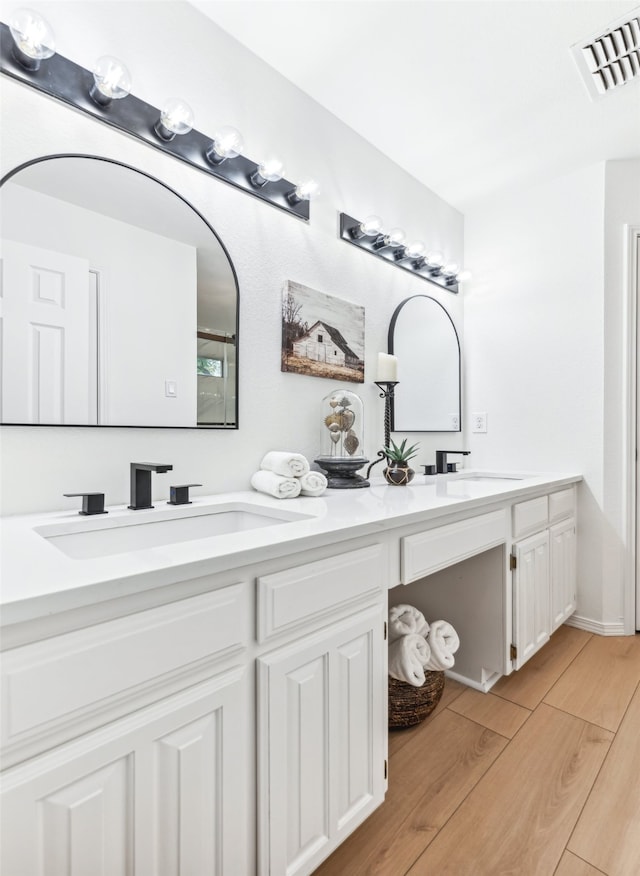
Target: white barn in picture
column 324, row 343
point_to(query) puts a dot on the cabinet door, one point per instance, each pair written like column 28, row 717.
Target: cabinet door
column 159, row 793
column 322, row 742
column 563, row 572
column 531, row 597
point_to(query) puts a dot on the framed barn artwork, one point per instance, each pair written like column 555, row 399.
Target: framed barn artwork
column 322, row 336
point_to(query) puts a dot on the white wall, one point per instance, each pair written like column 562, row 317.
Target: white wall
column 545, row 351
column 184, row 53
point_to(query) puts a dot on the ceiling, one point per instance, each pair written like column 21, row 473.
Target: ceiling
column 469, row 96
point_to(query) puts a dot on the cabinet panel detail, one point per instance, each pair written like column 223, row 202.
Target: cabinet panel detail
column 562, row 504
column 530, row 516
column 87, row 827
column 531, row 596
column 307, row 592
column 56, row 677
column 427, row 552
column 563, row 572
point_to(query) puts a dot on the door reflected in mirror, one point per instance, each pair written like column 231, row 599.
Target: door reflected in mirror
column 424, row 339
column 119, row 305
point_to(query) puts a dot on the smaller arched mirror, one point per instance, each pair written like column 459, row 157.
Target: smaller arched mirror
column 119, row 305
column 424, row 339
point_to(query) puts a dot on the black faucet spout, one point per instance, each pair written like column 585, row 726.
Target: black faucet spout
column 140, row 473
column 441, row 458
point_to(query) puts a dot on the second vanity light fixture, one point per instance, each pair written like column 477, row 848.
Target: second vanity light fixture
column 28, row 55
column 368, row 234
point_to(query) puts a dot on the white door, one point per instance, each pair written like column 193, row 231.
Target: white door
column 322, row 731
column 636, row 241
column 48, row 319
column 531, row 593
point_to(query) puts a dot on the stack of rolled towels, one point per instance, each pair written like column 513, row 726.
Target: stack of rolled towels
column 416, row 646
column 287, row 475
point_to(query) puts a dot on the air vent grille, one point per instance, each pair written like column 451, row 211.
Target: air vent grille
column 612, row 58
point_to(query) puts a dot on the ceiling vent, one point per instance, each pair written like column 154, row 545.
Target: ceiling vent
column 610, row 59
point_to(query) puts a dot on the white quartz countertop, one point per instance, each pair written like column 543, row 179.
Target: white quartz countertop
column 39, row 579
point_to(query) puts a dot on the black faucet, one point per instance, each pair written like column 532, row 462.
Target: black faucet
column 141, row 483
column 441, row 459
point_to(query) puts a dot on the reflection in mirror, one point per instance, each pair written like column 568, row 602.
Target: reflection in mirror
column 424, row 339
column 119, row 305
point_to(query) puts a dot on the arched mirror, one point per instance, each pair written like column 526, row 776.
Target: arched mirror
column 119, row 304
column 424, row 339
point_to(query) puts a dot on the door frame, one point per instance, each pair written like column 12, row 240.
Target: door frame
column 631, row 472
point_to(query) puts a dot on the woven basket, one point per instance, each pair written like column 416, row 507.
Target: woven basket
column 408, row 705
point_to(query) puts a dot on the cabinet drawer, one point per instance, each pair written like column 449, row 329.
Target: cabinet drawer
column 308, row 592
column 562, row 504
column 47, row 681
column 530, row 516
column 427, row 552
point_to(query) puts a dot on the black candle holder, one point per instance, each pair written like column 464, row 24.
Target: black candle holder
column 387, row 389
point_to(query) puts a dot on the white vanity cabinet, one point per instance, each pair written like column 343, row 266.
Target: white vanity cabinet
column 544, row 569
column 322, row 728
column 152, row 791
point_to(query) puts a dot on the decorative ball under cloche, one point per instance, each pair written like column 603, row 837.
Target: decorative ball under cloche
column 342, row 439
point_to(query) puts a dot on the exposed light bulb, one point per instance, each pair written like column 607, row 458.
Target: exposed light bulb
column 112, row 80
column 414, row 250
column 227, row 143
column 371, row 226
column 32, row 37
column 396, row 237
column 306, row 190
column 269, row 170
column 434, row 259
column 176, row 117
column 449, row 272
column 463, row 276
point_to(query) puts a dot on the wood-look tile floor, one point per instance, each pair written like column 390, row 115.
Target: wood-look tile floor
column 540, row 777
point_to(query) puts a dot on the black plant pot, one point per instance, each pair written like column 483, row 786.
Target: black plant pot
column 398, row 473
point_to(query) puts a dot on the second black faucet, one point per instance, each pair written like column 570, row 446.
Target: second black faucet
column 141, row 483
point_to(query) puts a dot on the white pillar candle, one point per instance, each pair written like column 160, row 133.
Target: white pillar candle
column 387, row 368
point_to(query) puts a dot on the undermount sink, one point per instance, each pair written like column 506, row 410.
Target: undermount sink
column 105, row 536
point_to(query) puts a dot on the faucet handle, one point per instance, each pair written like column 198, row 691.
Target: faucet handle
column 92, row 503
column 179, row 494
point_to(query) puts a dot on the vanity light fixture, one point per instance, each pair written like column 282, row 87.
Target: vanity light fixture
column 111, row 81
column 412, row 257
column 33, row 39
column 269, row 170
column 227, row 143
column 27, row 55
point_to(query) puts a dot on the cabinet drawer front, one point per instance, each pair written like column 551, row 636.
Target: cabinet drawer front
column 308, row 592
column 530, row 516
column 427, row 552
column 45, row 682
column 562, row 504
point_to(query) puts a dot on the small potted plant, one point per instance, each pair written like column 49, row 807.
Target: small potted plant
column 398, row 471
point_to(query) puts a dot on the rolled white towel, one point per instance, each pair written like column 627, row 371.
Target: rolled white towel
column 407, row 657
column 444, row 642
column 313, row 483
column 405, row 619
column 275, row 485
column 289, row 465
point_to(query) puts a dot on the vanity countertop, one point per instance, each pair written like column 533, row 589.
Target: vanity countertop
column 39, row 579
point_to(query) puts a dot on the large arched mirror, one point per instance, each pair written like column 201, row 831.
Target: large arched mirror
column 119, row 304
column 424, row 339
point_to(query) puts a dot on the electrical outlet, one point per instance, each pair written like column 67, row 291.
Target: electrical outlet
column 479, row 422
column 454, row 422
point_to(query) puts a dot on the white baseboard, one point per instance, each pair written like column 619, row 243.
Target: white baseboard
column 593, row 626
column 483, row 686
